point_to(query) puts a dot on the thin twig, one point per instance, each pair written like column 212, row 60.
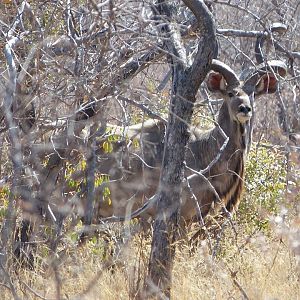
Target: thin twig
column 9, row 281
column 34, row 292
column 237, row 284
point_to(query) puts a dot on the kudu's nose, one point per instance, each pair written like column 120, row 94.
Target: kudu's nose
column 244, row 109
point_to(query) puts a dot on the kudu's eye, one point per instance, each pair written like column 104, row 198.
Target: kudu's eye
column 230, row 94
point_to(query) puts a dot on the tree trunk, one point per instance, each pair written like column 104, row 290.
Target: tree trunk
column 166, row 223
column 186, row 80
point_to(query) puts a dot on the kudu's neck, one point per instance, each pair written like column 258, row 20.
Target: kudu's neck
column 237, row 132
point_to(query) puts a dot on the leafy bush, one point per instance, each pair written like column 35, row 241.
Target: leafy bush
column 265, row 186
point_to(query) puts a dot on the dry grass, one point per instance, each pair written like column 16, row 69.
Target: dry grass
column 260, row 267
column 269, row 274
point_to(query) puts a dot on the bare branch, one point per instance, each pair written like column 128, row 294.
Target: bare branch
column 207, row 46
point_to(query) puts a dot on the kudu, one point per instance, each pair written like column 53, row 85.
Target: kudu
column 217, row 155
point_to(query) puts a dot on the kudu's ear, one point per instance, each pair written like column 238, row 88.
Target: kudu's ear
column 216, row 82
column 264, row 80
column 267, row 84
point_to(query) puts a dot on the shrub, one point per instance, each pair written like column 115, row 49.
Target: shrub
column 265, row 186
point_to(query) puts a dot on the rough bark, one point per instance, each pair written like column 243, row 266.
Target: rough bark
column 15, row 155
column 185, row 83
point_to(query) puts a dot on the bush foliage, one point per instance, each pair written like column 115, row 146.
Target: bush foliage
column 265, row 187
